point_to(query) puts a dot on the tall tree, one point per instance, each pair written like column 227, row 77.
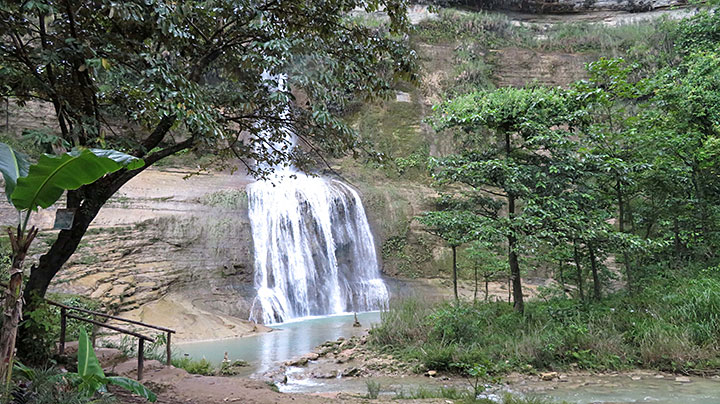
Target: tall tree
column 487, row 264
column 610, row 96
column 456, row 228
column 684, row 138
column 517, row 141
column 155, row 77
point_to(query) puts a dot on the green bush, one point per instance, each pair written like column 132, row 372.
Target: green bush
column 699, row 33
column 198, row 367
column 46, row 320
column 487, row 29
column 405, row 321
column 671, row 325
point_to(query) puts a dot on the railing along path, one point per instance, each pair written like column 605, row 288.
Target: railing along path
column 64, row 315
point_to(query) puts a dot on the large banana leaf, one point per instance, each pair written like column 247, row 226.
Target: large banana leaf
column 93, row 378
column 88, row 364
column 52, row 175
column 133, row 387
column 13, row 165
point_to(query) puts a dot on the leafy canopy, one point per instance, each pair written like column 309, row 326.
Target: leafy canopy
column 124, row 74
column 52, row 175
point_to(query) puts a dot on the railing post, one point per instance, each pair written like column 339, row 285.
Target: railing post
column 141, row 348
column 168, row 352
column 93, row 334
column 63, row 326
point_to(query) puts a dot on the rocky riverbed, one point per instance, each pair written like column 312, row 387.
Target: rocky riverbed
column 346, row 365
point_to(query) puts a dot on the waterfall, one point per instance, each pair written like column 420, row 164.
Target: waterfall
column 314, row 252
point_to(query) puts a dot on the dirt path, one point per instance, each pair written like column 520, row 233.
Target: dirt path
column 174, row 386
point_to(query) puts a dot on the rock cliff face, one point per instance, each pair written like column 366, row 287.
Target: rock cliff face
column 178, row 252
column 576, row 6
column 167, row 245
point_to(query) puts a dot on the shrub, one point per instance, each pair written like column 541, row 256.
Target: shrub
column 671, row 325
column 198, row 367
column 373, row 389
column 404, row 321
column 46, row 319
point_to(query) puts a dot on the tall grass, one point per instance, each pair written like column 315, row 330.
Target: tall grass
column 610, row 40
column 373, row 388
column 667, row 327
column 465, row 396
column 404, row 321
column 488, row 29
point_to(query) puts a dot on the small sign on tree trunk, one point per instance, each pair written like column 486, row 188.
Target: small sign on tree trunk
column 64, row 219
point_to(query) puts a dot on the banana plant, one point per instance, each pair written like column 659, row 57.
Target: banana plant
column 91, row 379
column 29, row 187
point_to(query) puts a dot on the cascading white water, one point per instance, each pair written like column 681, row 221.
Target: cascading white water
column 314, row 252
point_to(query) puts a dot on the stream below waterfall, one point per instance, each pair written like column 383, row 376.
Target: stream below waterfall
column 290, row 340
column 287, row 340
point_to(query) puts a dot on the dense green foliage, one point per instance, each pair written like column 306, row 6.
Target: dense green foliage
column 47, row 319
column 47, row 386
column 206, row 69
column 671, row 325
column 612, row 179
column 90, row 378
column 622, row 164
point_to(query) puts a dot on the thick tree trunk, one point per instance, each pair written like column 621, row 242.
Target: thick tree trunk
column 518, row 303
column 89, row 200
column 576, row 256
column 595, row 275
column 486, row 289
column 12, row 307
column 50, row 264
column 517, row 293
column 455, row 288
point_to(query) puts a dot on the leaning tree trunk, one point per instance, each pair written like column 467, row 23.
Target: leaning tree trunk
column 12, row 308
column 87, row 201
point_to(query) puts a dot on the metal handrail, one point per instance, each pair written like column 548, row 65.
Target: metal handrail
column 96, row 313
column 141, row 338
